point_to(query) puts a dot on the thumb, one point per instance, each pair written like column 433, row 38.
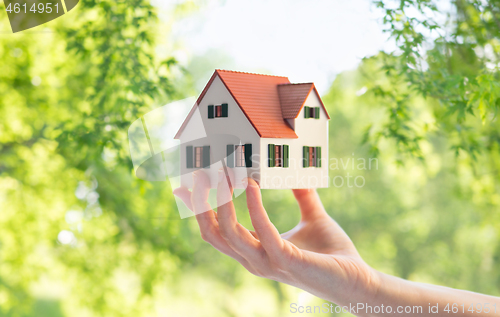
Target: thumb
column 310, row 204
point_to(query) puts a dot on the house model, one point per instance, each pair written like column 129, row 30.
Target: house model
column 260, row 126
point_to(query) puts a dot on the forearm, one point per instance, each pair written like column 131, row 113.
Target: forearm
column 408, row 298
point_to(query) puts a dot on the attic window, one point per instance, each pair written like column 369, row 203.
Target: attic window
column 218, row 111
column 311, row 112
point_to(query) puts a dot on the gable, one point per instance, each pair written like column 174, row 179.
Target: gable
column 235, row 122
column 293, row 98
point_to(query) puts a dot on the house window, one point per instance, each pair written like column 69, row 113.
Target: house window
column 239, row 155
column 278, row 155
column 311, row 112
column 218, row 111
column 198, row 156
column 311, row 156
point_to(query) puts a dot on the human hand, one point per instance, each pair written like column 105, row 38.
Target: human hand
column 316, row 255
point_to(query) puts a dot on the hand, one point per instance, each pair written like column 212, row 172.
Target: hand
column 316, row 255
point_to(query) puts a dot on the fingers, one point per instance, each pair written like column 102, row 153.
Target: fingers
column 268, row 234
column 199, row 200
column 201, row 191
column 236, row 236
column 261, row 252
column 185, row 195
column 309, row 203
column 206, row 217
column 225, row 196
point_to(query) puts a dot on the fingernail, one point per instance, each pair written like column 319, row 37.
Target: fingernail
column 221, row 174
column 196, row 175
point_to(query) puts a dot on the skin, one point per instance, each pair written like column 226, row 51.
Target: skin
column 316, row 256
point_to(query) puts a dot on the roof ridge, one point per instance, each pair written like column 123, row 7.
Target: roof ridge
column 239, row 72
column 311, row 83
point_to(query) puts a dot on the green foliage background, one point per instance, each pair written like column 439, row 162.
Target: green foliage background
column 70, row 89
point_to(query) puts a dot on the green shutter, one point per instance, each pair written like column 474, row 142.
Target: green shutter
column 224, row 110
column 248, row 155
column 306, row 112
column 210, row 111
column 316, row 113
column 270, row 149
column 285, row 155
column 189, row 156
column 305, row 160
column 206, row 156
column 230, row 155
column 318, row 156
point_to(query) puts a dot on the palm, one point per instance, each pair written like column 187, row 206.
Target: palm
column 315, row 236
column 317, row 231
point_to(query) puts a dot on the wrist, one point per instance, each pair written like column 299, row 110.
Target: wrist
column 372, row 286
column 391, row 290
column 364, row 286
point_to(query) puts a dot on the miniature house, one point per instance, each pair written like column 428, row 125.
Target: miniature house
column 262, row 127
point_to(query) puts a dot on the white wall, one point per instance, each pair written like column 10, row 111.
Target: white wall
column 236, row 124
column 311, row 132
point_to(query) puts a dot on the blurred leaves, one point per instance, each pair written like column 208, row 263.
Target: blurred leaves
column 449, row 57
column 81, row 236
column 434, row 219
column 67, row 96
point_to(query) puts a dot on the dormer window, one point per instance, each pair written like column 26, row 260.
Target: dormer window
column 217, row 111
column 311, row 112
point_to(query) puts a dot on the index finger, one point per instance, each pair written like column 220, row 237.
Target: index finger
column 237, row 236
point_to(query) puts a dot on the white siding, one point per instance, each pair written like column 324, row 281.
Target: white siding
column 311, row 132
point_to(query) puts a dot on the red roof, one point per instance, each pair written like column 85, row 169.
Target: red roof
column 265, row 100
column 292, row 97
